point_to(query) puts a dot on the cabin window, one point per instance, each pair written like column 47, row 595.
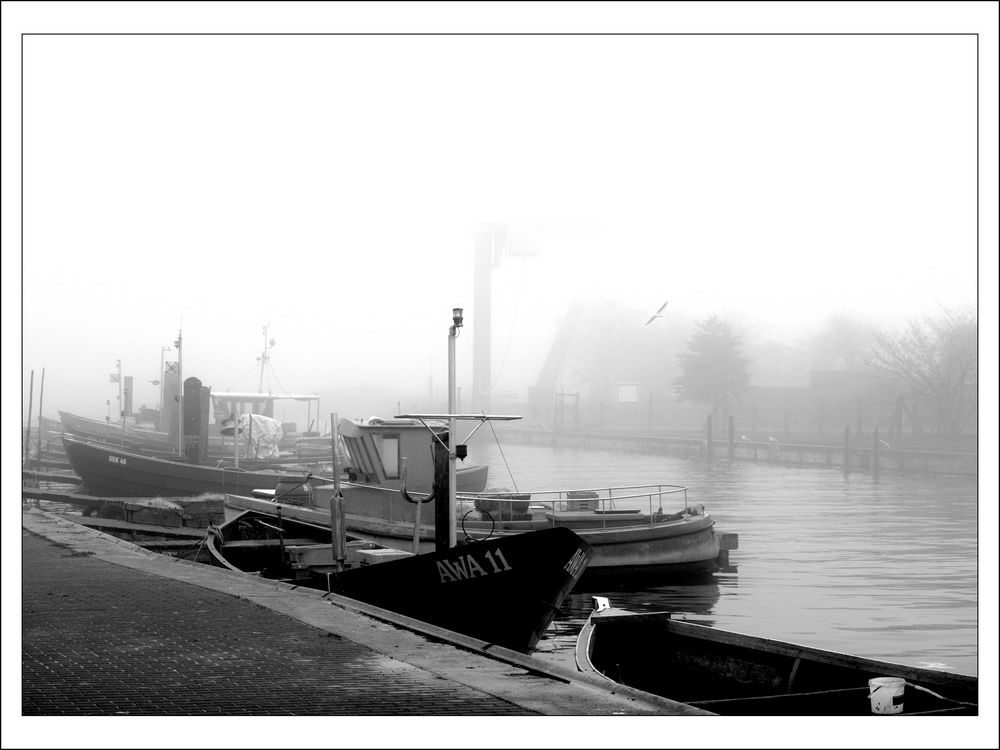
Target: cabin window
column 389, row 451
column 365, row 456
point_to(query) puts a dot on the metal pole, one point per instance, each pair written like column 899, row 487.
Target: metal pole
column 337, row 530
column 452, row 481
column 263, row 364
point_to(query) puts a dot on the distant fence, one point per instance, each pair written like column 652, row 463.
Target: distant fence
column 867, row 458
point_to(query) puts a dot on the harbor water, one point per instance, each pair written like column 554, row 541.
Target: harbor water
column 884, row 568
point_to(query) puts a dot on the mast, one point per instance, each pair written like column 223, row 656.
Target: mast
column 180, row 394
column 121, row 402
column 263, row 364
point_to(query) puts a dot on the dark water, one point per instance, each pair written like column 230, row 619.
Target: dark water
column 881, row 568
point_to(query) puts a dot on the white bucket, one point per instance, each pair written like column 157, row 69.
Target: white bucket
column 886, row 694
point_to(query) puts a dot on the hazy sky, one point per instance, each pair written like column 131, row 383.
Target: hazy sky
column 330, row 186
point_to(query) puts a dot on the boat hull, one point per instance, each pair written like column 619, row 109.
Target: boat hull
column 125, row 436
column 738, row 674
column 504, row 591
column 110, row 472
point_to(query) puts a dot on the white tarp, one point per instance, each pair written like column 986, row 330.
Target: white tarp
column 259, row 436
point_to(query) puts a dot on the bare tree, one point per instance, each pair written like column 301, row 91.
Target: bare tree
column 935, row 362
column 842, row 343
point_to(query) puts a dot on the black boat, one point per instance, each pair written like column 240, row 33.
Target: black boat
column 505, row 591
column 112, row 472
column 737, row 674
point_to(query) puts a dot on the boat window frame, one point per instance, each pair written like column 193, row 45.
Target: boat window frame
column 391, row 469
column 363, row 451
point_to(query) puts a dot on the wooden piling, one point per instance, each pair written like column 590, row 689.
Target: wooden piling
column 875, row 455
column 41, row 394
column 847, row 449
column 27, row 431
column 708, row 440
column 732, row 437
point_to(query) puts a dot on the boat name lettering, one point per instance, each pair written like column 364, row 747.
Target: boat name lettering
column 576, row 562
column 466, row 567
column 117, row 460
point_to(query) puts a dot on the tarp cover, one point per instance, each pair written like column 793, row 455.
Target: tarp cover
column 263, row 436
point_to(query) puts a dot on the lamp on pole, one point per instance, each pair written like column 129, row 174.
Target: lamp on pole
column 456, row 319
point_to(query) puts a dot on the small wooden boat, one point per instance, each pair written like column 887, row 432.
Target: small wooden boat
column 123, row 435
column 505, row 592
column 107, row 471
column 736, row 674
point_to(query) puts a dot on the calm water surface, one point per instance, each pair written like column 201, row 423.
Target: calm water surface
column 882, row 568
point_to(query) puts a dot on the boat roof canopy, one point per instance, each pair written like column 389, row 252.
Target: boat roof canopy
column 265, row 396
column 469, row 417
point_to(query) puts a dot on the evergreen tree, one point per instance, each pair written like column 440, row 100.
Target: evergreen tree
column 713, row 369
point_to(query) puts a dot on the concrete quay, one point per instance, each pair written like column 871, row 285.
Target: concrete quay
column 111, row 629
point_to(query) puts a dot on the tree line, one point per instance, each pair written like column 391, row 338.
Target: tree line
column 931, row 362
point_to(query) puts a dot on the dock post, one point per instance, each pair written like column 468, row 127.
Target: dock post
column 708, row 440
column 732, row 437
column 876, row 460
column 41, row 394
column 847, row 449
column 27, row 431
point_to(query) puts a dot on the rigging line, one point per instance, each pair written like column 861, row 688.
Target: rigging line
column 241, row 379
column 500, row 447
column 270, row 371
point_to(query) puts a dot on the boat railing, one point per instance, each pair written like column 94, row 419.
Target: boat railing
column 505, row 506
column 602, row 502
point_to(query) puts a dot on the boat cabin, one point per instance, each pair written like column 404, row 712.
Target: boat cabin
column 377, row 450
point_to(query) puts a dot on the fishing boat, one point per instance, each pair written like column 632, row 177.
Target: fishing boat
column 630, row 533
column 505, row 592
column 737, row 674
column 122, row 434
column 107, row 471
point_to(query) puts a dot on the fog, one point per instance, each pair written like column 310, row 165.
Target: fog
column 330, row 188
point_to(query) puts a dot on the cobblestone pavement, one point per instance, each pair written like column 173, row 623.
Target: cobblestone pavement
column 103, row 639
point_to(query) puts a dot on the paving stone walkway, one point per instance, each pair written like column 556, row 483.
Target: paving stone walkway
column 100, row 639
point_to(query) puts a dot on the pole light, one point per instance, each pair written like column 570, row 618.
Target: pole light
column 456, row 320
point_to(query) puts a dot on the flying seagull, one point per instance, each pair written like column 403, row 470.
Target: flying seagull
column 657, row 313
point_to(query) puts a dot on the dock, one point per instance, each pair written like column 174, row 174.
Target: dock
column 112, row 629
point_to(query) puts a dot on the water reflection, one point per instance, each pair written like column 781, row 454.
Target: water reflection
column 883, row 568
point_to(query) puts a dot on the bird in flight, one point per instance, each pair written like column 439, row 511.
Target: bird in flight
column 657, row 313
